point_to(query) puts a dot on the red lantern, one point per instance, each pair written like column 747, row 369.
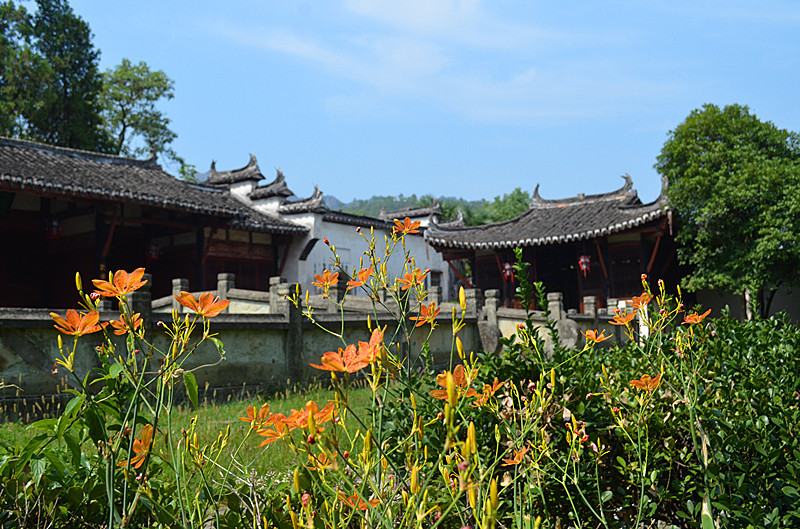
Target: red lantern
column 583, row 262
column 52, row 231
column 508, row 272
column 153, row 253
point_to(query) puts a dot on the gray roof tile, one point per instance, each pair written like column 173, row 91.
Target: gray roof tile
column 83, row 174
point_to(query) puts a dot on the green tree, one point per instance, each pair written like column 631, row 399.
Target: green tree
column 129, row 97
column 68, row 114
column 734, row 182
column 24, row 73
column 510, row 205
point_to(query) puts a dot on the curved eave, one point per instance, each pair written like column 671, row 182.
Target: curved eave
column 431, row 235
column 145, row 199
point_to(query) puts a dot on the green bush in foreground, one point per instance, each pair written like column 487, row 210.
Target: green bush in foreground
column 692, row 425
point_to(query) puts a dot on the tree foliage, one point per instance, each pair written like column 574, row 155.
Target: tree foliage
column 474, row 212
column 52, row 82
column 52, row 91
column 510, row 205
column 129, row 97
column 734, row 182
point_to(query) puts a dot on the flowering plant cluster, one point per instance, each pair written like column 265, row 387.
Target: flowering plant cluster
column 621, row 435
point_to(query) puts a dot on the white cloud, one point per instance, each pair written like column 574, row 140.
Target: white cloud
column 423, row 56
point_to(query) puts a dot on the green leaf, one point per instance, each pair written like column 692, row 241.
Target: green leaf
column 790, row 491
column 191, row 387
column 115, row 370
column 705, row 517
column 218, row 343
column 605, row 496
column 69, row 410
column 38, row 466
column 44, row 424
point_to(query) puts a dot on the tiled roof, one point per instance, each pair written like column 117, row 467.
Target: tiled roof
column 315, row 204
column 433, row 209
column 312, row 204
column 555, row 221
column 88, row 175
column 248, row 172
column 276, row 188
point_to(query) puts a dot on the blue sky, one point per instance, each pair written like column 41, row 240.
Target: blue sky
column 456, row 98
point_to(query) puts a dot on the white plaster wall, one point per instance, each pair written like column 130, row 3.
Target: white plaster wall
column 350, row 246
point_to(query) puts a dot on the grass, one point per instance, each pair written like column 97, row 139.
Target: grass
column 214, row 417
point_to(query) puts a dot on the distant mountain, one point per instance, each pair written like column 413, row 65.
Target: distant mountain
column 333, row 202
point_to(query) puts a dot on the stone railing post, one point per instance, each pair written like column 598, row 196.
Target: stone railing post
column 142, row 303
column 473, row 298
column 225, row 283
column 490, row 305
column 179, row 284
column 276, row 298
column 590, row 306
column 555, row 302
column 435, row 295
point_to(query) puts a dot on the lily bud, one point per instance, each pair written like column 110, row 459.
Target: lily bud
column 452, row 396
column 78, row 282
column 471, row 442
column 462, row 298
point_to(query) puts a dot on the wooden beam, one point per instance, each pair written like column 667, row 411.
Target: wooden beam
column 461, row 277
column 602, row 261
column 107, row 246
column 653, row 256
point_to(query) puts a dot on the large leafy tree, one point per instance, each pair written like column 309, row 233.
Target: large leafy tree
column 129, row 97
column 734, row 182
column 68, row 114
column 24, row 73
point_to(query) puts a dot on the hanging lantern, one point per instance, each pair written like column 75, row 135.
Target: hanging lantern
column 52, row 230
column 153, row 253
column 583, row 262
column 508, row 272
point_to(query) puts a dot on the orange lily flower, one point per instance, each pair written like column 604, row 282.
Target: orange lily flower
column 279, row 431
column 426, row 314
column 646, row 383
column 320, row 415
column 369, row 351
column 361, row 278
column 320, row 462
column 415, row 278
column 640, row 301
column 257, row 418
column 622, row 318
column 347, row 360
column 460, row 379
column 121, row 283
column 517, row 459
column 125, row 324
column 326, row 280
column 593, row 336
column 206, row 305
column 406, row 226
column 696, row 318
column 76, row 324
column 488, row 391
column 355, row 501
column 141, row 447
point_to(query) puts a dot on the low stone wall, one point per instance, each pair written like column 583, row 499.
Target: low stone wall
column 275, row 343
column 261, row 349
